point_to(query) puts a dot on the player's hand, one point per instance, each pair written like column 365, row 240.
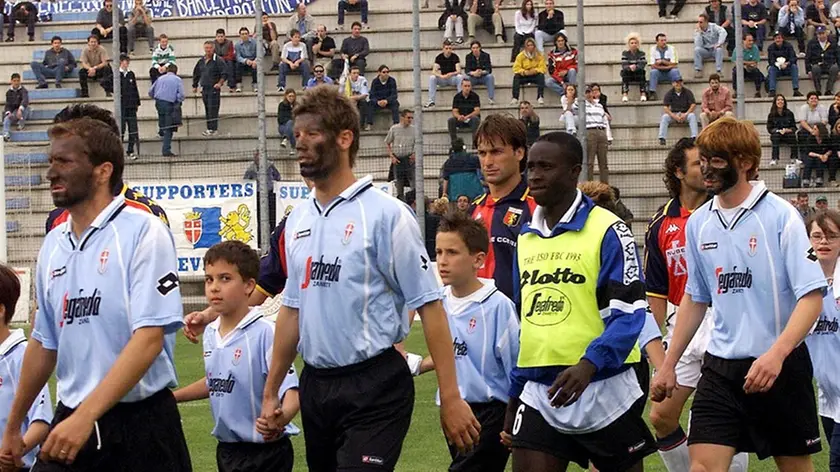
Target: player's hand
column 570, row 384
column 66, row 439
column 763, row 372
column 194, row 324
column 271, row 418
column 663, row 384
column 11, row 451
column 459, row 424
column 510, row 416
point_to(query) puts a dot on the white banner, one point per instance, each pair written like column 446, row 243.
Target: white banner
column 203, row 213
column 289, row 194
column 22, row 309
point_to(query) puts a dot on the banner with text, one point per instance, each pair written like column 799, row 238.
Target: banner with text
column 202, row 213
column 289, row 194
column 168, row 8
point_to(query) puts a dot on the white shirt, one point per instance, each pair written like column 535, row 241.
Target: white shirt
column 524, row 25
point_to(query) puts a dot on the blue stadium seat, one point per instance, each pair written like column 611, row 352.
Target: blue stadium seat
column 69, row 35
column 29, row 136
column 20, row 158
column 89, row 16
column 17, row 203
column 43, row 114
column 53, row 94
column 12, row 226
column 22, row 180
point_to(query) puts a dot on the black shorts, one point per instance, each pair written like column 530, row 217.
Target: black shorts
column 615, row 448
column 356, row 417
column 144, row 436
column 277, row 456
column 642, row 370
column 781, row 422
column 490, row 455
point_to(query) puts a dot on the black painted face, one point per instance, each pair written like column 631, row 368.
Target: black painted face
column 719, row 172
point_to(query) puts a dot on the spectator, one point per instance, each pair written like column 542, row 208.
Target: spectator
column 466, row 110
column 751, row 70
column 324, row 51
column 353, row 6
column 679, row 107
column 139, row 25
column 597, row 137
column 320, row 77
column 271, row 40
column 835, row 11
column 525, row 24
column 810, row 114
column 754, row 21
column 383, row 94
column 834, row 158
column 621, row 209
column 95, row 66
column 834, row 112
column 781, row 125
column 355, row 87
column 26, row 13
column 663, row 6
column 446, row 71
column 452, row 20
column 226, row 51
column 709, row 40
column 210, row 73
column 304, row 23
column 168, row 93
column 803, row 206
column 246, row 59
column 782, row 62
column 792, row 24
column 400, row 144
column 633, row 64
column 531, row 120
column 129, row 102
column 717, row 15
column 816, row 15
column 162, row 57
column 462, row 204
column 815, row 151
column 562, row 64
column 104, row 28
column 486, row 13
column 293, row 59
column 597, row 96
column 529, row 68
column 286, row 120
column 356, row 48
column 17, row 107
column 663, row 64
column 480, row 71
column 773, row 9
column 57, row 63
column 822, row 59
column 822, row 201
column 716, row 103
column 550, row 23
column 568, row 103
column 461, row 173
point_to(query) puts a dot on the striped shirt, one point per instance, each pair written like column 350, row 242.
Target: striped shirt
column 596, row 117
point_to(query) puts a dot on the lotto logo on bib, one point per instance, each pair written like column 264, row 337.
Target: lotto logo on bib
column 734, row 281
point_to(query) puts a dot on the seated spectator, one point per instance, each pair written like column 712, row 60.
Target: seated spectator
column 815, row 150
column 446, row 71
column 104, row 28
column 781, row 62
column 355, row 87
column 816, row 15
column 597, row 135
column 663, row 7
column 162, row 57
column 834, row 12
column 751, row 70
column 716, row 102
column 293, row 59
column 461, row 173
column 383, row 94
column 754, row 21
column 562, row 64
column 792, row 24
column 833, row 159
column 246, row 59
column 452, row 20
column 569, row 105
column 130, row 102
column 524, row 25
column 531, row 120
column 466, row 110
column 352, row 6
column 226, row 51
column 716, row 12
column 822, row 59
column 17, row 107
column 304, row 23
column 140, row 25
column 834, row 112
column 356, row 48
column 57, row 63
column 462, row 204
column 773, row 8
column 400, row 144
column 810, row 115
column 271, row 40
column 709, row 40
column 320, row 78
column 95, row 66
column 679, row 107
column 24, row 13
column 550, row 23
column 663, row 64
column 781, row 124
column 480, row 71
column 486, row 13
column 633, row 64
column 286, row 120
column 324, row 50
column 529, row 68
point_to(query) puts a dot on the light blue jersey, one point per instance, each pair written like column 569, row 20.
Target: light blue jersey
column 753, row 263
column 650, row 331
column 236, row 368
column 824, row 346
column 353, row 266
column 95, row 291
column 485, row 334
column 11, row 361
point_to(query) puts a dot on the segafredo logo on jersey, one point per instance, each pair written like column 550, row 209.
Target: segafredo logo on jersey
column 826, row 326
column 220, row 386
column 320, row 273
column 459, row 347
column 734, row 281
column 79, row 309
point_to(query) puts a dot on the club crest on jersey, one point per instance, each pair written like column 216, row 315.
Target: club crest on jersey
column 237, row 354
column 471, row 328
column 512, row 216
column 753, row 245
column 348, row 232
column 103, row 261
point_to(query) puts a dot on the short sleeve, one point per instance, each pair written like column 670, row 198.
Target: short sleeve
column 272, row 277
column 668, row 100
column 154, row 288
column 289, row 382
column 697, row 286
column 507, row 333
column 801, row 264
column 41, row 409
column 44, row 331
column 656, row 269
column 650, row 330
column 405, row 254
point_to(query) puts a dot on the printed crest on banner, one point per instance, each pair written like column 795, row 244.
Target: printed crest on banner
column 206, row 226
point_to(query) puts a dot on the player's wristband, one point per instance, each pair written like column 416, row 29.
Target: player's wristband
column 414, row 362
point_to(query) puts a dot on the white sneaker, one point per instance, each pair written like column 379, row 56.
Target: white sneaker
column 643, row 98
column 238, row 89
column 490, row 101
column 774, row 162
column 514, row 101
column 541, row 101
column 131, row 156
column 284, row 142
column 624, row 98
column 801, row 55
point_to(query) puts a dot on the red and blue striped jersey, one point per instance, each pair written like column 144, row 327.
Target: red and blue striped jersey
column 133, row 199
column 272, row 278
column 666, row 272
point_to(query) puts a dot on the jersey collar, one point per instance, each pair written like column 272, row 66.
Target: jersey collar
column 349, row 193
column 253, row 315
column 479, row 296
column 759, row 190
column 15, row 338
column 105, row 216
column 573, row 220
column 519, row 193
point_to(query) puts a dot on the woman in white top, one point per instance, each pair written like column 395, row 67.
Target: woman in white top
column 525, row 23
column 453, row 19
column 570, row 108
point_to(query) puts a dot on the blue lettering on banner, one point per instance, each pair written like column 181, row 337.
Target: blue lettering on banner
column 167, row 8
column 197, row 191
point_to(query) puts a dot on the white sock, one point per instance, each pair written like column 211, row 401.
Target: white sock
column 676, row 459
column 740, row 463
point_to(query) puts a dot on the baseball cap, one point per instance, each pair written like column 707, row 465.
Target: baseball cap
column 822, row 198
column 821, row 29
column 777, row 33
